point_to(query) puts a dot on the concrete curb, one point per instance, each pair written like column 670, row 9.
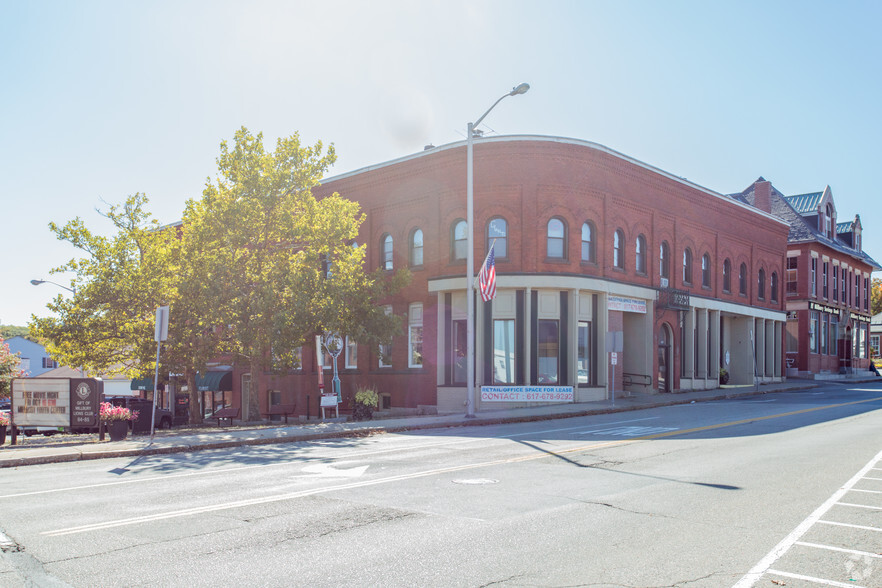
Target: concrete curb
column 93, row 452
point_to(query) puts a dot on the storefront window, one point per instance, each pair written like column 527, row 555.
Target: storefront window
column 583, row 359
column 547, row 345
column 460, row 343
column 504, row 351
column 813, row 333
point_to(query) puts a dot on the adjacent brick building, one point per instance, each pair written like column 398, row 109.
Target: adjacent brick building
column 827, row 283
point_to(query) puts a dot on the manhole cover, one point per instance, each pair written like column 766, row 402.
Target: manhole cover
column 476, row 481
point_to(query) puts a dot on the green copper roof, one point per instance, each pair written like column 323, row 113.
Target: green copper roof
column 805, row 203
column 842, row 228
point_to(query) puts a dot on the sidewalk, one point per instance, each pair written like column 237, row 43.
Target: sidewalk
column 222, row 437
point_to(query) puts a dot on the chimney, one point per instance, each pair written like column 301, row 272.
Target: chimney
column 762, row 196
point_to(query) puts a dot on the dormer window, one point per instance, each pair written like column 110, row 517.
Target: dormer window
column 830, row 222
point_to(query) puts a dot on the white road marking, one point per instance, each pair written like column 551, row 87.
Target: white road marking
column 779, row 550
column 328, row 470
column 584, row 431
column 839, row 549
column 815, row 580
column 864, row 527
column 630, row 431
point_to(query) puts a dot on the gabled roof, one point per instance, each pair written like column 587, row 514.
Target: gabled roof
column 796, row 210
column 805, row 203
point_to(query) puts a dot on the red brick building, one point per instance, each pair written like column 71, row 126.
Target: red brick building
column 828, row 280
column 587, row 241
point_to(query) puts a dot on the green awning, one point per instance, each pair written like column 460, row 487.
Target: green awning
column 215, row 381
column 142, row 384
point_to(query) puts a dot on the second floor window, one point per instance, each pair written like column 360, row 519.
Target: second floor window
column 705, row 271
column 761, row 284
column 742, row 280
column 727, row 276
column 416, row 248
column 640, row 254
column 555, row 238
column 664, row 261
column 386, row 260
column 687, row 266
column 460, row 240
column 588, row 243
column 619, row 249
column 497, row 232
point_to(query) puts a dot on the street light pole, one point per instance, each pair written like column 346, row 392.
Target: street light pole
column 470, row 254
column 38, row 282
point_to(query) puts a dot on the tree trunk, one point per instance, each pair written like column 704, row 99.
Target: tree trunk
column 195, row 410
column 251, row 403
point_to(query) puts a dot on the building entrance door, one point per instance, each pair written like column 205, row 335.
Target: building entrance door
column 664, row 358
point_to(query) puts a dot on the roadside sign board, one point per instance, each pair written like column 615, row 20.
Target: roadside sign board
column 614, row 358
column 56, row 402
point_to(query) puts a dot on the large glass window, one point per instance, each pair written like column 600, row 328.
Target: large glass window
column 504, row 351
column 497, row 232
column 583, row 353
column 813, row 333
column 619, row 249
column 588, row 253
column 727, row 276
column 687, row 266
column 460, row 239
column 824, row 337
column 556, row 238
column 416, row 247
column 705, row 271
column 832, row 346
column 459, row 342
column 548, row 345
column 385, row 351
column 814, row 277
column 386, row 260
column 640, row 254
column 792, row 336
column 351, row 353
column 835, row 282
column 415, row 335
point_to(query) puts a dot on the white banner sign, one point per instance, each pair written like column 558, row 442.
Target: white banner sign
column 626, row 304
column 527, row 394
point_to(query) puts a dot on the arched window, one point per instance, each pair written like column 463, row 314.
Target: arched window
column 664, row 260
column 386, row 259
column 619, row 249
column 774, row 287
column 761, row 284
column 416, row 248
column 727, row 276
column 588, row 253
column 497, row 232
column 742, row 280
column 556, row 239
column 640, row 255
column 687, row 266
column 460, row 240
column 705, row 271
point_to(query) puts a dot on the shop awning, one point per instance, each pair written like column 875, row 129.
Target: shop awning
column 215, row 381
column 142, row 384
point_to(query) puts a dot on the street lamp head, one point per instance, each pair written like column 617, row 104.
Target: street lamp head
column 519, row 89
column 37, row 282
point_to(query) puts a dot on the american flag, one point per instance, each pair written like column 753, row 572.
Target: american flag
column 487, row 277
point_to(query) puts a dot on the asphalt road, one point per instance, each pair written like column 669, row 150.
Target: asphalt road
column 776, row 488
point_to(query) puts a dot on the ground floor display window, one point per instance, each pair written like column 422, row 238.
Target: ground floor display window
column 583, row 353
column 504, row 351
column 548, row 350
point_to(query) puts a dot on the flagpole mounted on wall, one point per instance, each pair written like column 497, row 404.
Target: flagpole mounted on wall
column 470, row 253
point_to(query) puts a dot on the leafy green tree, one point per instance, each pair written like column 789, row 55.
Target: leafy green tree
column 264, row 242
column 107, row 325
column 9, row 368
column 9, row 331
column 876, row 296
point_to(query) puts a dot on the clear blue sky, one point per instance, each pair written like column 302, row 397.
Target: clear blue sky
column 100, row 100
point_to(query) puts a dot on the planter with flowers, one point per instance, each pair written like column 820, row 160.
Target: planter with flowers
column 116, row 418
column 4, row 422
